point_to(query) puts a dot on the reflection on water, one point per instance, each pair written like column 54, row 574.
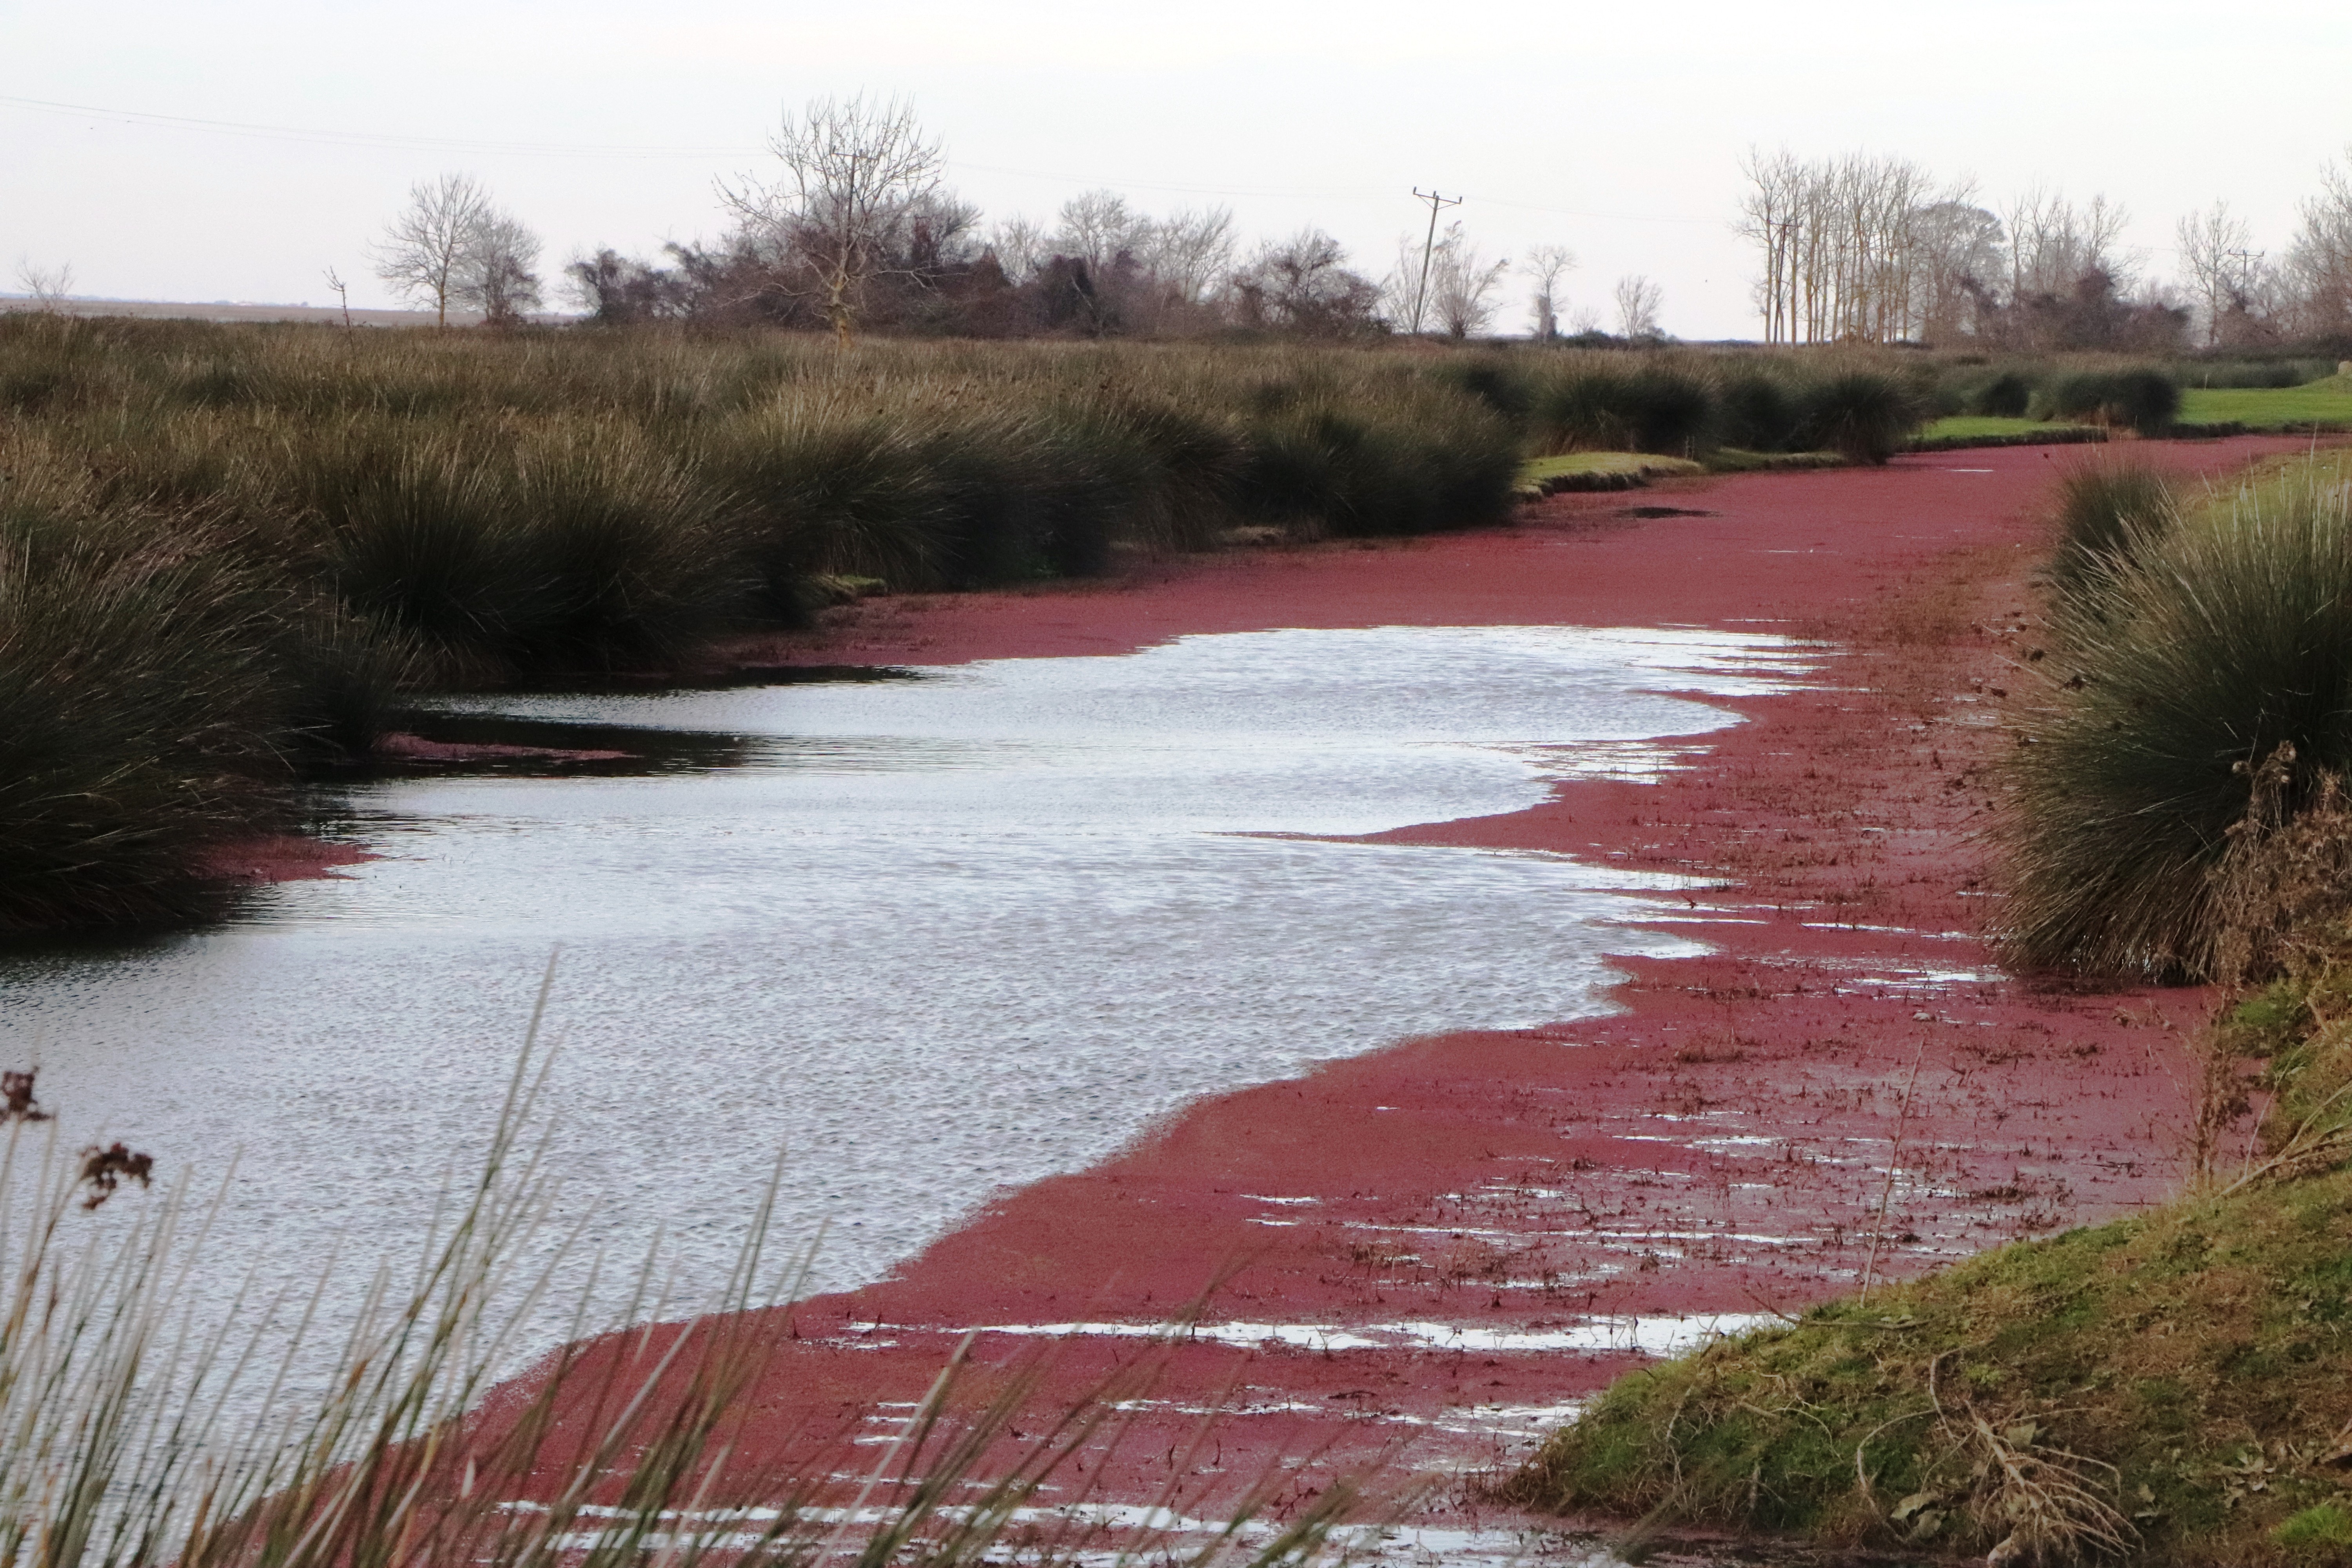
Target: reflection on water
column 933, row 937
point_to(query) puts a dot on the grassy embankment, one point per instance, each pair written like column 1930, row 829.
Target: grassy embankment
column 228, row 553
column 2173, row 1388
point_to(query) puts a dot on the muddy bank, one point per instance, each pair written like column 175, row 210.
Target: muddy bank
column 1421, row 1257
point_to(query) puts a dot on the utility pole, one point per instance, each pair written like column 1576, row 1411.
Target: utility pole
column 1436, row 203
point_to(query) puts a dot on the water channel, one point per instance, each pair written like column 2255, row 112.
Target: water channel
column 931, row 937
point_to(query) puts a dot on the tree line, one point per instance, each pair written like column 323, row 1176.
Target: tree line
column 856, row 230
column 1866, row 248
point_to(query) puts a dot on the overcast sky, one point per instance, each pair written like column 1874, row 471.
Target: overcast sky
column 1615, row 128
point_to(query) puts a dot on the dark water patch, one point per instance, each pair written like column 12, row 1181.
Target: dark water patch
column 1661, row 511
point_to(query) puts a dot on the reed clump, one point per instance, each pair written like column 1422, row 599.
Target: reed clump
column 2211, row 650
column 158, row 692
column 2108, row 510
column 2005, row 395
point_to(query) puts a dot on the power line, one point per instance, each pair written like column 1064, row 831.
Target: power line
column 1063, row 177
column 370, row 138
column 403, row 142
column 1587, row 213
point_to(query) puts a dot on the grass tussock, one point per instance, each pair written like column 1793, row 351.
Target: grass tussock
column 2205, row 653
column 159, row 691
column 130, row 1441
column 2106, row 511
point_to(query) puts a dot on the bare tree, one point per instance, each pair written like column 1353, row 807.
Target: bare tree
column 1769, row 213
column 1960, row 245
column 1874, row 249
column 2054, row 244
column 1304, row 285
column 50, row 286
column 1019, row 246
column 857, row 178
column 1190, row 252
column 1099, row 226
column 617, row 290
column 1401, row 289
column 1856, row 247
column 342, row 293
column 424, row 251
column 496, row 274
column 1638, row 299
column 1462, row 284
column 1546, row 265
column 2215, row 256
column 2319, row 263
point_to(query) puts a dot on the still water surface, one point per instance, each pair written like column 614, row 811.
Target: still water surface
column 933, row 938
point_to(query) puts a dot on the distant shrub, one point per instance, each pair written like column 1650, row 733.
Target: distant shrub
column 2144, row 400
column 347, row 679
column 1864, row 415
column 1584, row 406
column 823, row 489
column 1495, row 384
column 2006, row 396
column 1385, row 469
column 1757, row 412
column 634, row 557
column 1619, row 407
column 1673, row 409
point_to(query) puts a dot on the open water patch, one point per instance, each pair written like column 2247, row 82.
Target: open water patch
column 932, row 938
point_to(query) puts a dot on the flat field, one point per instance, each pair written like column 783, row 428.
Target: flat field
column 2321, row 403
